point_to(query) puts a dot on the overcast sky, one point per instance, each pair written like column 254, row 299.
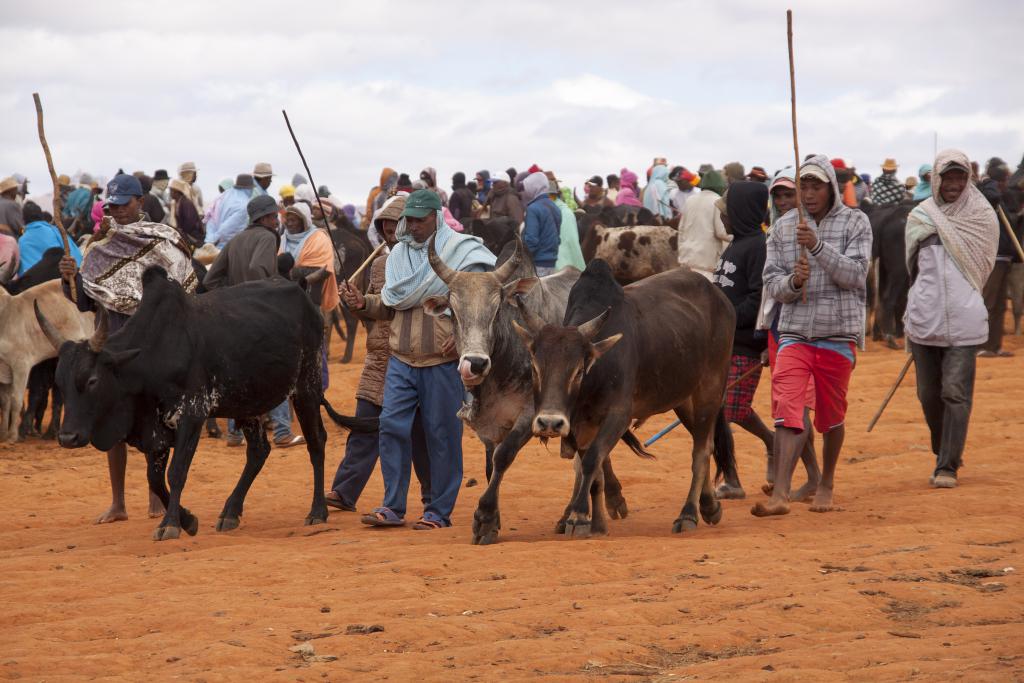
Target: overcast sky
column 579, row 88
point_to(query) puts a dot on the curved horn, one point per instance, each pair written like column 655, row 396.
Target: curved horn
column 53, row 335
column 590, row 328
column 99, row 337
column 532, row 320
column 317, row 276
column 507, row 269
column 440, row 267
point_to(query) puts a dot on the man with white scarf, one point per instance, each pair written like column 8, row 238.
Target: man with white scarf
column 422, row 371
column 952, row 238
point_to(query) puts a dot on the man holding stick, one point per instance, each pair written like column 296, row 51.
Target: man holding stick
column 952, row 240
column 820, row 323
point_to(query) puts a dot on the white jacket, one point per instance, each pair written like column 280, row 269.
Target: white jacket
column 943, row 309
column 702, row 236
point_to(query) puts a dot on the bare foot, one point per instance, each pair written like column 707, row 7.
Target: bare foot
column 727, row 492
column 805, row 493
column 823, row 500
column 768, row 487
column 772, row 507
column 156, row 508
column 116, row 513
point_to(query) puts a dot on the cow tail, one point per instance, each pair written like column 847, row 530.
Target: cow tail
column 724, row 451
column 364, row 425
column 629, row 438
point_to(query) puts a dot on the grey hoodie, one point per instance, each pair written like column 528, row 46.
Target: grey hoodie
column 836, row 291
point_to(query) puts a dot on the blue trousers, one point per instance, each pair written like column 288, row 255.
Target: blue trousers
column 361, row 452
column 437, row 392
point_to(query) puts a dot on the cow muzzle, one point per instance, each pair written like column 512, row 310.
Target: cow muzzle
column 551, row 425
column 473, row 369
column 72, row 440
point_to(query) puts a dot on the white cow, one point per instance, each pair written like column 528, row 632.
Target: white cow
column 23, row 344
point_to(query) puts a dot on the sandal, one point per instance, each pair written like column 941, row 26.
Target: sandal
column 424, row 524
column 337, row 503
column 382, row 516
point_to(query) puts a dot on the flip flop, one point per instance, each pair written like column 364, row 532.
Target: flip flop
column 382, row 516
column 339, row 504
column 424, row 524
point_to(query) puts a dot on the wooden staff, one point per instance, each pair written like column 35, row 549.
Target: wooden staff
column 368, row 261
column 892, row 392
column 1009, row 231
column 58, row 205
column 796, row 144
column 675, row 424
column 309, row 175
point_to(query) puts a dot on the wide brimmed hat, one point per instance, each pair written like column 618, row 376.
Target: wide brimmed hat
column 889, row 165
column 262, row 170
column 8, row 184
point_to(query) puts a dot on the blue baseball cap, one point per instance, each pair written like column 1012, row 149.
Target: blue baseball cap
column 122, row 188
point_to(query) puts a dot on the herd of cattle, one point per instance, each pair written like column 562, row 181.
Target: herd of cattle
column 531, row 345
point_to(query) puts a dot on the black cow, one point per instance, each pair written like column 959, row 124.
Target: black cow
column 357, row 249
column 889, row 225
column 496, row 233
column 660, row 344
column 234, row 352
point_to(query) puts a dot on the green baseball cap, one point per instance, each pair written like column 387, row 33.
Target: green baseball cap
column 421, row 203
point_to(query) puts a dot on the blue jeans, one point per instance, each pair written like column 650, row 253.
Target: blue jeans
column 280, row 416
column 437, row 392
column 361, row 452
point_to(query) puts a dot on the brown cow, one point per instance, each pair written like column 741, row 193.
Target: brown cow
column 633, row 253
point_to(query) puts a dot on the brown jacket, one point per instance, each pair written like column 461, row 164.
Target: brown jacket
column 371, row 381
column 415, row 337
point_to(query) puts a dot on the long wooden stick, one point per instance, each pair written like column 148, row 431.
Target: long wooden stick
column 675, row 424
column 796, row 143
column 368, row 261
column 309, row 174
column 58, row 205
column 892, row 392
column 1009, row 231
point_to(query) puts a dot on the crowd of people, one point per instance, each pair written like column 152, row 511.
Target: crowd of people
column 791, row 250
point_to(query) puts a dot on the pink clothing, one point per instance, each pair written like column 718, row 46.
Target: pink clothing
column 97, row 216
column 629, row 194
column 8, row 257
column 452, row 222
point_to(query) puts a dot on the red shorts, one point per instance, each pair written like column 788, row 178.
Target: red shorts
column 796, row 366
column 773, row 352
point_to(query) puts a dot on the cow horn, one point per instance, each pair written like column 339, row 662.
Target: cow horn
column 440, row 267
column 52, row 334
column 99, row 337
column 317, row 276
column 533, row 322
column 590, row 328
column 506, row 270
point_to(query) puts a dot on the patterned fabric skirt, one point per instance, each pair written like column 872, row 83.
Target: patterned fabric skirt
column 738, row 398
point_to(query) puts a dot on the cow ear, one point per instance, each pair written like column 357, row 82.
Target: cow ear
column 436, row 305
column 122, row 357
column 602, row 347
column 522, row 286
column 524, row 334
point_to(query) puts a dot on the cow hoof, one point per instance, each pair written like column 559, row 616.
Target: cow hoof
column 316, row 519
column 713, row 517
column 166, row 533
column 577, row 529
column 191, row 525
column 617, row 508
column 227, row 523
column 560, row 526
column 488, row 538
column 684, row 524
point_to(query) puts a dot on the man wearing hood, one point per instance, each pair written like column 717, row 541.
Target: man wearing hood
column 739, row 277
column 388, row 180
column 483, row 185
column 656, row 195
column 816, row 268
column 461, row 202
column 702, row 235
column 502, row 201
column 231, row 218
column 543, row 223
column 429, row 178
column 995, row 188
column 952, row 239
column 422, row 372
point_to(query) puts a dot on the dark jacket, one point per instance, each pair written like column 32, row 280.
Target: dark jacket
column 153, row 208
column 460, row 203
column 1007, row 200
column 541, row 234
column 250, row 255
column 188, row 220
column 504, row 202
column 742, row 263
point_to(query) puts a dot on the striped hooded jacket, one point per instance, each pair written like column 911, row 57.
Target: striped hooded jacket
column 836, row 291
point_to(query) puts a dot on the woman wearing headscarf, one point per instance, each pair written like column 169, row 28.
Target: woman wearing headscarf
column 629, row 190
column 656, row 196
column 923, row 189
column 952, row 238
column 388, row 180
column 311, row 248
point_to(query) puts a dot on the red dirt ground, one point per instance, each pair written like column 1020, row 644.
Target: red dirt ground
column 904, row 583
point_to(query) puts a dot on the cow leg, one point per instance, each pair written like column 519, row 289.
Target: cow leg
column 598, row 516
column 613, row 498
column 351, row 325
column 488, row 458
column 701, row 428
column 12, row 405
column 487, row 518
column 307, row 410
column 156, row 471
column 56, row 415
column 257, row 448
column 579, row 523
column 577, row 471
column 176, row 518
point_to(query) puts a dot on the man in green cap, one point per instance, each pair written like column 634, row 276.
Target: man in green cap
column 422, row 372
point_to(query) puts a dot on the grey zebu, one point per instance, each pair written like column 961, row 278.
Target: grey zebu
column 493, row 362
